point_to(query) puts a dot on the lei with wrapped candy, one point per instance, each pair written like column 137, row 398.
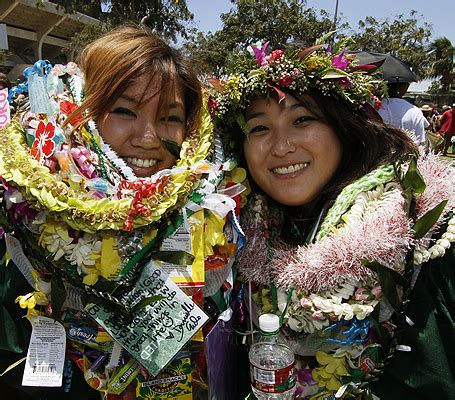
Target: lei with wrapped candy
column 328, row 70
column 79, row 223
column 336, row 295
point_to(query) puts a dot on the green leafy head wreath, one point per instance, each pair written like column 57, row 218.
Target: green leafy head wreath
column 328, row 70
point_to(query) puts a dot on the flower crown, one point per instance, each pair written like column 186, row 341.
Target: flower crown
column 329, row 70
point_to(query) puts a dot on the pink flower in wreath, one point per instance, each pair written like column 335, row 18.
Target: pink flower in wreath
column 286, row 80
column 275, row 56
column 44, row 145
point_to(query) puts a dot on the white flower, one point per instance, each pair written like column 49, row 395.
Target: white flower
column 362, row 311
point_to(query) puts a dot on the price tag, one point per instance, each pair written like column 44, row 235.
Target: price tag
column 46, row 353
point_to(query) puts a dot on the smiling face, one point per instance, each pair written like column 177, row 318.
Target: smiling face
column 291, row 153
column 134, row 127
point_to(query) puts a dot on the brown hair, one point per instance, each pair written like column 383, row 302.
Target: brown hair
column 112, row 63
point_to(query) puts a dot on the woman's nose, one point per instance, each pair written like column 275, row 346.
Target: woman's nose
column 282, row 145
column 146, row 135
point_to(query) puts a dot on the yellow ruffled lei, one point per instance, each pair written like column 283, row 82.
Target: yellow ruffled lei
column 77, row 208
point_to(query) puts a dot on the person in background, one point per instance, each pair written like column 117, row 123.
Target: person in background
column 448, row 127
column 400, row 113
column 5, row 83
column 333, row 239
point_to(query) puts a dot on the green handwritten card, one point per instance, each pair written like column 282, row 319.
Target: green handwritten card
column 158, row 331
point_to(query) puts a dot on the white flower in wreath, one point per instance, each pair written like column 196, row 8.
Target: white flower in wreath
column 362, row 311
column 325, row 305
column 87, row 249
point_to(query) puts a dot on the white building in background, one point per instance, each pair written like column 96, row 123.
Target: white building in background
column 37, row 32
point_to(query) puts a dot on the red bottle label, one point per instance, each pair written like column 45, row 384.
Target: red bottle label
column 272, row 381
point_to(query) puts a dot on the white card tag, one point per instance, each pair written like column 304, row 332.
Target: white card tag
column 46, row 353
column 4, row 108
column 40, row 103
column 179, row 241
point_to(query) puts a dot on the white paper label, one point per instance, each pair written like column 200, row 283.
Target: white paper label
column 179, row 241
column 46, row 353
column 40, row 103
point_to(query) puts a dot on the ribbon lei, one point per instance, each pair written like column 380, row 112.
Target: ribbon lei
column 143, row 189
column 357, row 333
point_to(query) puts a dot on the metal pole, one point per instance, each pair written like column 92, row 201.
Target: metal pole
column 335, row 16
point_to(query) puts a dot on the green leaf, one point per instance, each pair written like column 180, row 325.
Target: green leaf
column 323, row 39
column 174, row 257
column 146, row 302
column 424, row 224
column 334, row 73
column 388, row 279
column 172, row 147
column 254, row 73
column 58, row 294
column 413, row 179
column 240, row 119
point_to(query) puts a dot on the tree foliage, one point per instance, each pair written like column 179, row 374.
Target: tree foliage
column 277, row 21
column 169, row 18
column 406, row 37
column 442, row 53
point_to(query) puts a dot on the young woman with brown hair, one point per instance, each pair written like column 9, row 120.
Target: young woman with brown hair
column 97, row 170
column 343, row 216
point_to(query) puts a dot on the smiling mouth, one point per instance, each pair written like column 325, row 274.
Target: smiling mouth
column 141, row 162
column 290, row 169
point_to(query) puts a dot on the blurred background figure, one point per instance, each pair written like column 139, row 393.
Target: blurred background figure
column 5, row 83
column 448, row 127
column 400, row 113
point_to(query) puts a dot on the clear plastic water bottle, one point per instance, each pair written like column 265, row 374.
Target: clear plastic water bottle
column 271, row 363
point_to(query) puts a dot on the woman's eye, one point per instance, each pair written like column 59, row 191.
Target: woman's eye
column 303, row 119
column 123, row 111
column 258, row 128
column 172, row 118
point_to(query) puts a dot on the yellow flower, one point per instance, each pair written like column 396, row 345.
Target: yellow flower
column 330, row 370
column 30, row 300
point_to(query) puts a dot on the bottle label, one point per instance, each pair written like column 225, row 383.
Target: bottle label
column 272, row 381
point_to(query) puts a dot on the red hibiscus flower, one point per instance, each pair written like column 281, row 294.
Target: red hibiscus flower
column 44, row 145
column 66, row 107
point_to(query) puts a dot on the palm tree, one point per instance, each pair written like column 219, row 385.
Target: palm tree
column 442, row 52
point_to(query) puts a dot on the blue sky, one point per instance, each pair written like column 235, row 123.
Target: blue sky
column 439, row 13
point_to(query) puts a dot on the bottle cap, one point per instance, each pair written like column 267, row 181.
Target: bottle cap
column 269, row 323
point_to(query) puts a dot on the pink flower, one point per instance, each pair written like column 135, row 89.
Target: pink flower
column 44, row 145
column 318, row 315
column 260, row 54
column 275, row 56
column 305, row 302
column 286, row 80
column 340, row 61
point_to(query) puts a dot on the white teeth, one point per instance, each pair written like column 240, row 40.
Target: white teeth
column 140, row 162
column 290, row 169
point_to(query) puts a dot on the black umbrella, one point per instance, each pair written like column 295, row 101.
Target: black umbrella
column 393, row 69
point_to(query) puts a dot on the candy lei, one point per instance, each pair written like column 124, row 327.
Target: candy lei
column 82, row 211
